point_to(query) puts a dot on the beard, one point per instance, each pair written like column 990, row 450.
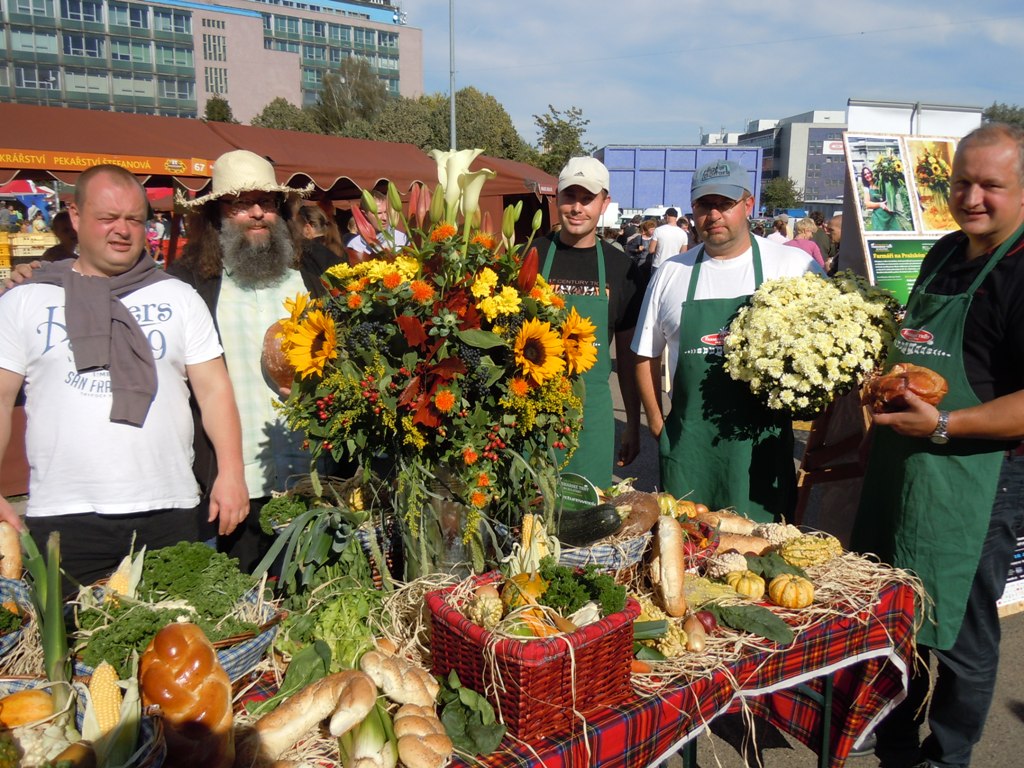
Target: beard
column 257, row 263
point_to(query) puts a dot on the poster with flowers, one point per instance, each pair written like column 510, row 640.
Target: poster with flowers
column 879, row 172
column 931, row 160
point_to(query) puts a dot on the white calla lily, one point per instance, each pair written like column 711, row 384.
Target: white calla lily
column 472, row 185
column 456, row 164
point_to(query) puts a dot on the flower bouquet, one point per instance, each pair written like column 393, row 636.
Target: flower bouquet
column 803, row 341
column 450, row 366
column 932, row 173
column 888, row 171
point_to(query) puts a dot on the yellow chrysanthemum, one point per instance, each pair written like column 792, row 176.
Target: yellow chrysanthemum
column 484, row 284
column 579, row 341
column 311, row 344
column 506, row 302
column 539, row 350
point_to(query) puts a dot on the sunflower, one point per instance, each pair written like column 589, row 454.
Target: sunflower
column 296, row 306
column 578, row 338
column 311, row 344
column 538, row 351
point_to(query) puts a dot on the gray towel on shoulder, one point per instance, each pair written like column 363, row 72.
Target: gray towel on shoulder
column 104, row 335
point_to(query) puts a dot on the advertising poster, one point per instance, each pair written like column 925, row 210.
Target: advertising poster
column 878, row 171
column 895, row 262
column 931, row 162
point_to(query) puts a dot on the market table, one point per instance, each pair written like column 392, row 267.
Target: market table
column 855, row 666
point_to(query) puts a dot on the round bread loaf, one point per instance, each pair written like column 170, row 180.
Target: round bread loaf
column 275, row 364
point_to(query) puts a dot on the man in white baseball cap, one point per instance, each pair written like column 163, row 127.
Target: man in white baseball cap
column 717, row 442
column 602, row 283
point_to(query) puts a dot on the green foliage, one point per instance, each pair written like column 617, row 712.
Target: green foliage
column 407, row 121
column 780, row 193
column 771, row 565
column 280, row 511
column 9, row 621
column 561, row 137
column 568, row 590
column 1004, row 113
column 114, row 635
column 308, row 665
column 468, row 718
column 218, row 110
column 344, row 627
column 755, row 619
column 353, row 92
column 282, row 115
column 208, row 580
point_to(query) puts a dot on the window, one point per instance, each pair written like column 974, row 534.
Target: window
column 81, row 81
column 130, row 50
column 81, row 10
column 45, row 78
column 132, row 85
column 219, row 23
column 83, row 45
column 5, row 79
column 387, row 63
column 364, row 36
column 286, row 25
column 33, row 7
column 268, row 22
column 138, row 17
column 314, row 52
column 175, row 88
column 312, row 76
column 165, row 20
column 285, row 45
column 174, row 56
column 313, row 28
column 337, row 55
column 27, row 40
column 217, row 80
column 388, row 40
column 340, row 34
column 214, row 47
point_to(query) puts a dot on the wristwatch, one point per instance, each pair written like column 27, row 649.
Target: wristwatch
column 941, row 434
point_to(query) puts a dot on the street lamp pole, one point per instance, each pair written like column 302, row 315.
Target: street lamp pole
column 451, row 72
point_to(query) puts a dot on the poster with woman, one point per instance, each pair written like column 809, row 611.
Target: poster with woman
column 879, row 176
column 931, row 160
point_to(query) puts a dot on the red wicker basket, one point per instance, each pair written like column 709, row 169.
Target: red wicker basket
column 531, row 682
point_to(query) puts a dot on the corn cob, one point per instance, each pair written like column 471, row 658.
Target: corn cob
column 106, row 697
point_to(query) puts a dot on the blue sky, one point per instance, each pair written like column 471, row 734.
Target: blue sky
column 655, row 72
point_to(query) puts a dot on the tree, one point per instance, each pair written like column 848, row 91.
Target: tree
column 352, row 92
column 218, row 110
column 561, row 137
column 480, row 122
column 1004, row 113
column 405, row 120
column 779, row 193
column 285, row 116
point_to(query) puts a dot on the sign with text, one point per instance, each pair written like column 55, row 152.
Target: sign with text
column 896, row 262
column 47, row 160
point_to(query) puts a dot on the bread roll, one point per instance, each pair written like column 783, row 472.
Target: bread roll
column 180, row 675
column 728, row 522
column 887, row 393
column 668, row 566
column 400, row 680
column 275, row 364
column 745, row 545
column 422, row 741
column 10, row 552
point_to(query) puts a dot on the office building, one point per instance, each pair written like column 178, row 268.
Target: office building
column 169, row 57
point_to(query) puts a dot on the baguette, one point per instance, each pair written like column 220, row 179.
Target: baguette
column 668, row 566
column 745, row 545
column 10, row 551
column 346, row 697
column 728, row 522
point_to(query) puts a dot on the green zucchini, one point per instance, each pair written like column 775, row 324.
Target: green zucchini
column 580, row 527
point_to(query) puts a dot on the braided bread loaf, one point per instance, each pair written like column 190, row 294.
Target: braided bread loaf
column 180, row 674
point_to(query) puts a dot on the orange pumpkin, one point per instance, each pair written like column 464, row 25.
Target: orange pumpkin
column 522, row 589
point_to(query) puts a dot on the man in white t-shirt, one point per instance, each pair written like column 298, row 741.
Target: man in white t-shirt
column 717, row 442
column 106, row 345
column 389, row 239
column 669, row 239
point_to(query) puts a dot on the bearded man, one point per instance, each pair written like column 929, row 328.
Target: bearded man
column 242, row 261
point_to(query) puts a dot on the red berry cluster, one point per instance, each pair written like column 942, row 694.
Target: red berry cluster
column 323, row 406
column 494, row 444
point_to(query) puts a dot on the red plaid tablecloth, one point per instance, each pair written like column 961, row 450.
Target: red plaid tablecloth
column 868, row 656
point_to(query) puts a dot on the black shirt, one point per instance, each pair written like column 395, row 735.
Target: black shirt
column 994, row 329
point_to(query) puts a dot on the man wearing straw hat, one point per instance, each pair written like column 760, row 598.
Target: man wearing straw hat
column 104, row 344
column 242, row 260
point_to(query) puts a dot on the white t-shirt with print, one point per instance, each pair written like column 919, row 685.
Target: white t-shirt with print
column 80, row 461
column 661, row 313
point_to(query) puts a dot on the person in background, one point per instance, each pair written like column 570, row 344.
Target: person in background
column 780, row 230
column 718, row 444
column 819, row 235
column 603, row 285
column 630, row 229
column 390, row 237
column 106, row 347
column 351, row 233
column 834, row 228
column 319, row 242
column 242, row 260
column 944, row 489
column 669, row 239
column 805, row 229
column 684, row 224
column 38, row 222
column 67, row 238
column 641, row 250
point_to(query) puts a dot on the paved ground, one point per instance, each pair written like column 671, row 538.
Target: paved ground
column 1001, row 746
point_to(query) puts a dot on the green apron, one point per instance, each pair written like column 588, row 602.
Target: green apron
column 721, row 446
column 926, row 507
column 596, row 451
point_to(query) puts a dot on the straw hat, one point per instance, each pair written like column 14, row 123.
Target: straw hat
column 237, row 172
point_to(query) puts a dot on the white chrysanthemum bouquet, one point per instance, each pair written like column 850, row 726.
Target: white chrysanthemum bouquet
column 804, row 341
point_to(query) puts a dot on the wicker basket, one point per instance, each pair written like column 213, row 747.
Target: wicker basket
column 17, row 591
column 608, row 557
column 535, row 685
column 152, row 749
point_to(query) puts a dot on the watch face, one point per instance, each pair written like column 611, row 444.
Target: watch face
column 939, row 439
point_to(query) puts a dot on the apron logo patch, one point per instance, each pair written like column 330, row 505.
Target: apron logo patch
column 713, row 339
column 917, row 336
